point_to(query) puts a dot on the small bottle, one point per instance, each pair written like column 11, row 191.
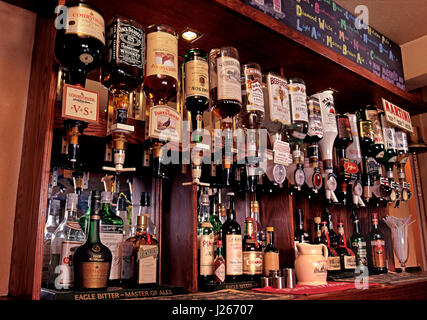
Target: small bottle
column 347, row 256
column 92, row 260
column 219, row 265
column 358, row 244
column 317, row 230
column 252, row 253
column 377, row 248
column 271, row 254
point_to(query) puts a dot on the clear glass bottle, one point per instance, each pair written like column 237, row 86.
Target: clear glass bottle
column 66, row 238
column 54, row 207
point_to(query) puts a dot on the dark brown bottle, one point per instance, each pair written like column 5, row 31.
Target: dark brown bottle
column 376, row 248
column 342, row 141
column 252, row 253
column 92, row 261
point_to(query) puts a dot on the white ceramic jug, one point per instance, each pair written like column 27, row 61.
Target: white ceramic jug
column 310, row 265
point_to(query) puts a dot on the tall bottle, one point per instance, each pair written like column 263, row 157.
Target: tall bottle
column 196, row 86
column 252, row 253
column 232, row 235
column 259, row 230
column 358, row 244
column 271, row 254
column 66, row 238
column 390, row 152
column 214, row 219
column 333, row 261
column 54, row 207
column 370, row 113
column 299, row 113
column 300, row 235
column 111, row 234
column 161, row 85
column 342, row 141
column 125, row 252
column 402, row 158
column 347, row 256
column 123, row 66
column 376, row 240
column 252, row 113
column 92, row 260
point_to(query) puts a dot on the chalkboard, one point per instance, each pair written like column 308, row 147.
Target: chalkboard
column 338, row 29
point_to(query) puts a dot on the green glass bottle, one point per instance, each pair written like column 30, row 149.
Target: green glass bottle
column 214, row 218
column 92, row 260
column 358, row 244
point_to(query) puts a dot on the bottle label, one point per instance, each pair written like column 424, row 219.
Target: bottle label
column 207, row 254
column 254, row 93
column 112, row 236
column 165, row 123
column 147, row 264
column 196, row 78
column 271, row 262
column 349, row 262
column 378, row 253
column 85, row 21
column 371, row 166
column 333, row 263
column 162, row 54
column 389, row 138
column 233, row 254
column 252, row 262
column 366, row 130
column 359, row 249
column 327, row 109
column 315, row 128
column 401, row 141
column 372, row 115
column 220, row 272
column 68, row 248
column 298, row 99
column 229, row 85
column 353, row 151
column 126, row 256
column 128, row 43
column 93, row 274
column 282, row 153
column 278, row 99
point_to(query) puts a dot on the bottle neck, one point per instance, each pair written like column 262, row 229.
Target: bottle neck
column 249, row 232
column 300, row 221
column 126, row 227
column 219, row 251
column 356, row 228
column 94, row 229
column 270, row 238
column 230, row 212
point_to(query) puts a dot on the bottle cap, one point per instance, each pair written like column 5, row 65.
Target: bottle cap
column 317, row 220
column 141, row 221
column 121, row 204
column 145, row 199
column 249, row 219
column 270, row 229
column 95, row 194
column 219, row 243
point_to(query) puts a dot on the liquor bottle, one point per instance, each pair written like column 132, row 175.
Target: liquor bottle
column 159, row 86
column 333, row 261
column 219, row 265
column 347, row 256
column 196, row 86
column 224, row 82
column 206, row 244
column 214, row 219
column 223, row 215
column 317, row 230
column 271, row 254
column 342, row 141
column 299, row 112
column 123, row 66
column 125, row 251
column 66, row 238
column 330, row 132
column 54, row 206
column 145, row 252
column 377, row 261
column 252, row 253
column 358, row 244
column 402, row 158
column 370, row 113
column 327, row 216
column 144, row 209
column 300, row 235
column 390, row 153
column 259, row 231
column 111, row 233
column 252, row 113
column 92, row 260
column 232, row 235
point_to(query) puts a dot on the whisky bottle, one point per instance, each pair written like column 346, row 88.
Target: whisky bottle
column 370, row 113
column 232, row 235
column 111, row 233
column 299, row 111
column 390, row 153
column 252, row 113
column 376, row 241
column 252, row 253
column 123, row 66
column 271, row 254
column 66, row 238
column 219, row 265
column 342, row 141
column 347, row 256
column 259, row 231
column 92, row 260
column 125, row 252
column 358, row 244
column 224, row 82
column 369, row 165
column 196, row 87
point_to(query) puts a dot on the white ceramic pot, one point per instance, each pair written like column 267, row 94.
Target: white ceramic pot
column 310, row 265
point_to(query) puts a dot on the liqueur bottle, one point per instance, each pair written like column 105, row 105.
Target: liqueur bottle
column 358, row 244
column 271, row 254
column 347, row 256
column 219, row 265
column 232, row 235
column 92, row 260
column 111, row 233
column 145, row 252
column 161, row 85
column 301, row 236
column 123, row 67
column 252, row 113
column 342, row 141
column 402, row 158
column 206, row 245
column 252, row 253
column 333, row 261
column 377, row 261
column 66, row 238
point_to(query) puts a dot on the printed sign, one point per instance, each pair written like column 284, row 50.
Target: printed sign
column 80, row 104
column 397, row 116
